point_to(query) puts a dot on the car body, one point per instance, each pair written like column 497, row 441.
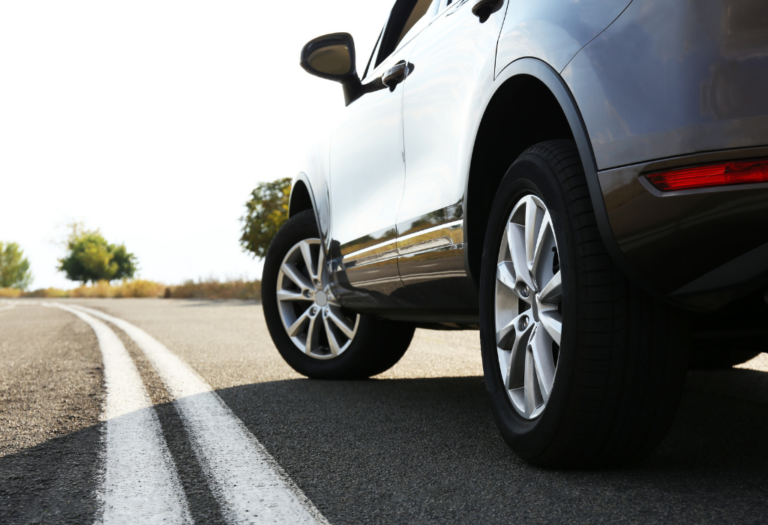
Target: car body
column 642, row 86
column 584, row 182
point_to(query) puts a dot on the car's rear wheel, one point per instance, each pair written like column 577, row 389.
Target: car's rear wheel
column 313, row 332
column 583, row 367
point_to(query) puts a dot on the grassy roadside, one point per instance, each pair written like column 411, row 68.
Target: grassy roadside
column 201, row 289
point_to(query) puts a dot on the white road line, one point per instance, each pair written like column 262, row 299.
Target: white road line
column 140, row 482
column 248, row 483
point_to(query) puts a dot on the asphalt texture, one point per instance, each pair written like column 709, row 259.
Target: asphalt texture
column 416, row 444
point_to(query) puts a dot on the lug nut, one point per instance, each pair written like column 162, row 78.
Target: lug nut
column 307, row 294
column 525, row 291
column 313, row 311
column 524, row 323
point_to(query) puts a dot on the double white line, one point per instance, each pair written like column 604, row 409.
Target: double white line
column 140, row 483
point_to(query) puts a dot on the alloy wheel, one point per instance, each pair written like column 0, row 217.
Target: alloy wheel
column 311, row 315
column 528, row 307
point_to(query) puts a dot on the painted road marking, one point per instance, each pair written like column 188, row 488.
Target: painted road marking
column 140, row 483
column 250, row 486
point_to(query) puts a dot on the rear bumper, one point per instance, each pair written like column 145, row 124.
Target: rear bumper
column 698, row 248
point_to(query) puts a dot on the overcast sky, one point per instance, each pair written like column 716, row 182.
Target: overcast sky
column 153, row 121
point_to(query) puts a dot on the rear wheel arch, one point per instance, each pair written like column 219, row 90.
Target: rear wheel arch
column 531, row 104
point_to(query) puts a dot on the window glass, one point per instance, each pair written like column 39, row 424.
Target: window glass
column 373, row 53
column 403, row 19
column 419, row 10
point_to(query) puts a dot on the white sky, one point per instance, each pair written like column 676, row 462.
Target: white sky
column 153, row 121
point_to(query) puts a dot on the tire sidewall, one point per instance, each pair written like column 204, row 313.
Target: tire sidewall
column 530, row 174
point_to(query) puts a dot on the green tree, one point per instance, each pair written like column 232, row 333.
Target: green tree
column 91, row 258
column 266, row 211
column 14, row 267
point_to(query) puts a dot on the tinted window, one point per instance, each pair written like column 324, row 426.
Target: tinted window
column 404, row 17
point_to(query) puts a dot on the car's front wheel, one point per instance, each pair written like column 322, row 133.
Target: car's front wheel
column 583, row 367
column 313, row 332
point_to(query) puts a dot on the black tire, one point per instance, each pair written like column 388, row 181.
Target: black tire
column 378, row 344
column 622, row 360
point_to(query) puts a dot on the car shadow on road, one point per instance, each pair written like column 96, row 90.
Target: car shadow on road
column 427, row 450
column 52, row 482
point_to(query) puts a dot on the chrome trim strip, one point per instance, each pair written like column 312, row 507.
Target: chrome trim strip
column 447, row 234
column 375, row 254
column 440, row 236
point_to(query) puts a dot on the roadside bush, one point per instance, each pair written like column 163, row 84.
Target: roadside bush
column 91, row 258
column 14, row 267
column 266, row 211
column 139, row 288
column 202, row 289
column 103, row 289
column 215, row 289
column 47, row 293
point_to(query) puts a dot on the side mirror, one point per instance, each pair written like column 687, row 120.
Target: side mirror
column 332, row 57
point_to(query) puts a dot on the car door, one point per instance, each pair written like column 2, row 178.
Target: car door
column 367, row 166
column 454, row 64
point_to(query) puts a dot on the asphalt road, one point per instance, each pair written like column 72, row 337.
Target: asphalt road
column 414, row 445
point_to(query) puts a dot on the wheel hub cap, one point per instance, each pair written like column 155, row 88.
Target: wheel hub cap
column 528, row 312
column 321, row 299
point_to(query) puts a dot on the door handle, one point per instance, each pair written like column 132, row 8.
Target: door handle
column 485, row 8
column 396, row 74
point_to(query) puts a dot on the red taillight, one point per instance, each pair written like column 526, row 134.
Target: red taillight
column 737, row 172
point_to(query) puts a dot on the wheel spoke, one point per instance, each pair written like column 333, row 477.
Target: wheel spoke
column 531, row 211
column 313, row 332
column 320, row 266
column 505, row 273
column 290, row 295
column 335, row 315
column 306, row 253
column 513, row 331
column 298, row 324
column 516, row 239
column 541, row 349
column 290, row 271
column 552, row 323
column 506, row 336
column 515, row 371
column 544, row 232
column 331, row 338
column 530, row 385
column 553, row 291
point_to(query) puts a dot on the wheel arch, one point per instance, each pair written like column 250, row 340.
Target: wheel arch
column 301, row 198
column 535, row 98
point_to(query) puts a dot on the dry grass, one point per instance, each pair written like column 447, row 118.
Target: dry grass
column 47, row 293
column 202, row 289
column 214, row 289
column 137, row 288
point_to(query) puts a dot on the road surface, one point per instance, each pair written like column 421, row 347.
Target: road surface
column 182, row 411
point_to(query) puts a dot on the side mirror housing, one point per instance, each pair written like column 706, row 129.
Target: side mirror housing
column 332, row 57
